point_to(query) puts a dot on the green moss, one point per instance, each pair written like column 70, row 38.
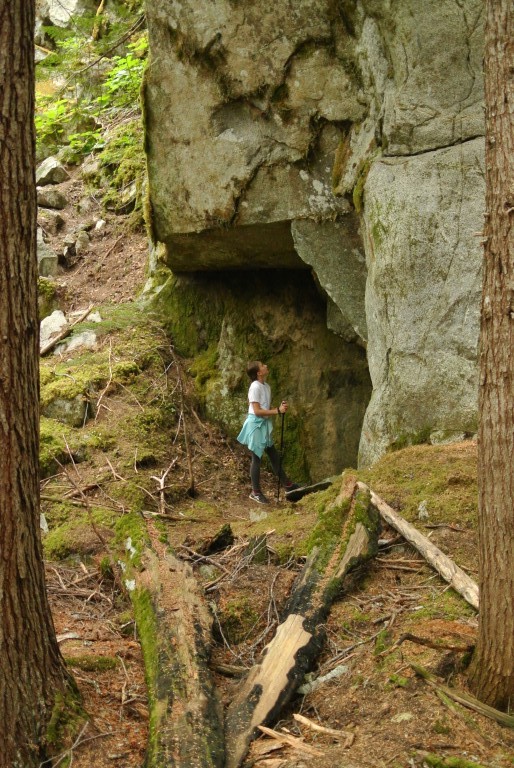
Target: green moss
column 147, row 628
column 47, row 296
column 358, row 190
column 446, row 476
column 204, row 369
column 377, row 233
column 327, row 532
column 75, row 534
column 448, row 606
column 340, row 162
column 91, row 663
column 155, row 419
column 99, row 438
column 442, row 728
column 131, row 527
column 434, row 761
column 398, row 681
column 67, row 717
column 383, row 641
column 123, row 164
column 125, row 371
column 363, row 513
column 191, row 313
column 237, row 619
column 418, row 437
column 71, row 381
column 52, row 445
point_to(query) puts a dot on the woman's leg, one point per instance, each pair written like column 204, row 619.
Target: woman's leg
column 275, row 463
column 255, row 472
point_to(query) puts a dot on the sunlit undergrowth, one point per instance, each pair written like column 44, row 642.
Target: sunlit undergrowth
column 88, row 101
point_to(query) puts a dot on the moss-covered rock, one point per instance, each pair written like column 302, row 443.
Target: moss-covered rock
column 223, row 321
column 47, row 297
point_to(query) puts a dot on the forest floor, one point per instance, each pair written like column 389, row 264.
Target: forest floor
column 395, row 718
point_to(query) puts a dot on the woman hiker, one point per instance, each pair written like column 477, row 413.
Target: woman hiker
column 257, row 429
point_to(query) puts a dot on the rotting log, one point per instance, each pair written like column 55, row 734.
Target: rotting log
column 446, row 568
column 272, row 682
column 186, row 719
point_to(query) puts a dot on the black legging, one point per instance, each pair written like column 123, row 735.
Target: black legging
column 255, row 468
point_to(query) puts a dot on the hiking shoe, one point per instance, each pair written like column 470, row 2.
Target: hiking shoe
column 291, row 487
column 259, row 497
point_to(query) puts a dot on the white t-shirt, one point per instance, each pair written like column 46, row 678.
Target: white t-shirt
column 259, row 392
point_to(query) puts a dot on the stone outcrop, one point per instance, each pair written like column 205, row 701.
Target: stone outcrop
column 51, row 171
column 423, row 294
column 60, row 12
column 345, row 140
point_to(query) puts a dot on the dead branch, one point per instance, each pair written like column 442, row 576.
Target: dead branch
column 446, row 568
column 291, row 741
column 298, row 639
column 98, row 24
column 229, row 670
column 63, row 334
column 348, row 736
column 198, row 558
column 461, row 697
column 162, row 487
column 429, row 644
column 191, row 489
column 114, row 473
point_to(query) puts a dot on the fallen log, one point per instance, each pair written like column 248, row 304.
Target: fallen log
column 446, row 568
column 175, row 629
column 271, row 683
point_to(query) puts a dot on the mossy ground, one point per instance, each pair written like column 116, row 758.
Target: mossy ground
column 138, row 435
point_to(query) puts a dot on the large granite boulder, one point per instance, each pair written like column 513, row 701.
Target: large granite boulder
column 423, row 294
column 345, row 139
column 245, row 111
column 51, row 171
column 60, row 12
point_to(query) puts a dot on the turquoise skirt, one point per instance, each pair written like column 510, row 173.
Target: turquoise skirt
column 256, row 434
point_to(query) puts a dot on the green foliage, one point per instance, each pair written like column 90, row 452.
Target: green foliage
column 123, row 82
column 97, row 109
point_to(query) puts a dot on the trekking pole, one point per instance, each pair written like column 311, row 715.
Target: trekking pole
column 280, row 454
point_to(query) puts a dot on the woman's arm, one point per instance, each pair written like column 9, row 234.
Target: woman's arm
column 264, row 412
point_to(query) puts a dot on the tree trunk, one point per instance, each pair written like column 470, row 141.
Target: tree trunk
column 492, row 672
column 31, row 667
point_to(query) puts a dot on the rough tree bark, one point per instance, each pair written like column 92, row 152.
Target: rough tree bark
column 492, row 671
column 31, row 668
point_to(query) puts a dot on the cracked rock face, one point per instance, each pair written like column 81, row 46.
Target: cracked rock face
column 345, row 138
column 246, row 106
